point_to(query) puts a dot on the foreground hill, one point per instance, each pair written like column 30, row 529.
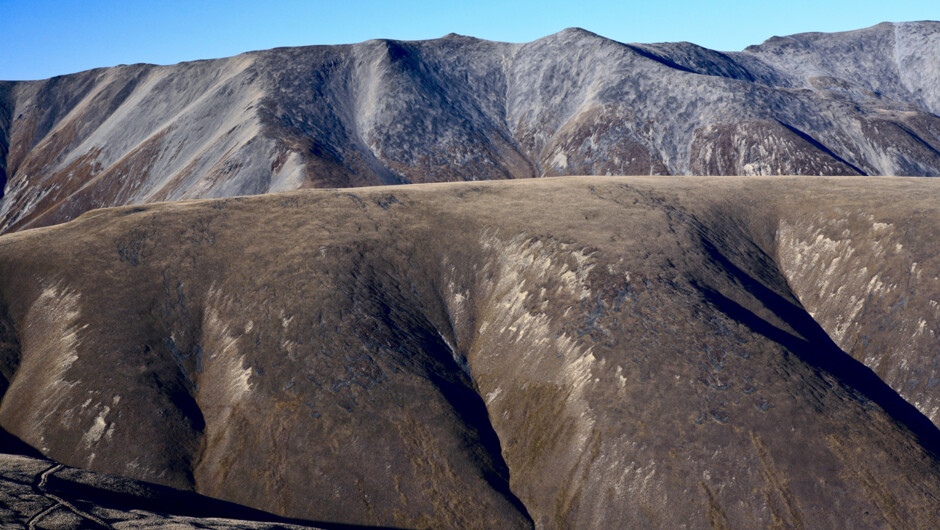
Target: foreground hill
column 459, row 108
column 603, row 352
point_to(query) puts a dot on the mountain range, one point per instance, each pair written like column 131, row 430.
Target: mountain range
column 460, row 108
column 432, row 336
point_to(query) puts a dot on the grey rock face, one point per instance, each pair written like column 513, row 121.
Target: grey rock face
column 459, row 108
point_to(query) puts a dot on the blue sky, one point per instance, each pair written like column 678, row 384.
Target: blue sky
column 42, row 38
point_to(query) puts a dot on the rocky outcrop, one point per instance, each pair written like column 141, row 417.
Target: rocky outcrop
column 459, row 108
column 603, row 352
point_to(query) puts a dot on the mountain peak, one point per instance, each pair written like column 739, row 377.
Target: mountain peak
column 580, row 31
column 384, row 112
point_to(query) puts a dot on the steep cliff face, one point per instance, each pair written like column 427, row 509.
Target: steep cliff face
column 604, row 352
column 459, row 108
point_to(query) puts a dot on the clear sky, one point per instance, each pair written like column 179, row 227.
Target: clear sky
column 43, row 38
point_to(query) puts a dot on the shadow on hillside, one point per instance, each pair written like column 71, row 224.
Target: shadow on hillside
column 119, row 493
column 815, row 348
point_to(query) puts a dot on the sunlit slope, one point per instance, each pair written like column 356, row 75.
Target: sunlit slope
column 605, row 352
column 459, row 108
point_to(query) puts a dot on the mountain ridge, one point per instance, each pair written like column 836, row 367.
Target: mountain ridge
column 461, row 108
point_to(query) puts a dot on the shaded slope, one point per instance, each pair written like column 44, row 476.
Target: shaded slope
column 38, row 493
column 5, row 117
column 459, row 108
column 568, row 352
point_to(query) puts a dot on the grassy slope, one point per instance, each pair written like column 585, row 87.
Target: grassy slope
column 588, row 351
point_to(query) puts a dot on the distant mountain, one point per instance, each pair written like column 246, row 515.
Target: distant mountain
column 459, row 108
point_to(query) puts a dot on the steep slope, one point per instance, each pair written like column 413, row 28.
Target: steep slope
column 133, row 134
column 5, row 111
column 887, row 60
column 459, row 108
column 604, row 352
column 868, row 273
